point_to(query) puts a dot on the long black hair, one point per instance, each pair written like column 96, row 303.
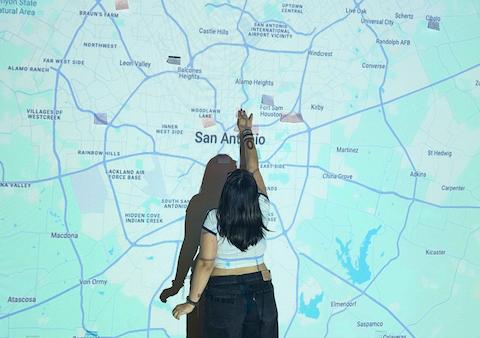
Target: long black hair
column 239, row 215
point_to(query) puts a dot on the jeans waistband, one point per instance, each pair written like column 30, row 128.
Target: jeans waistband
column 234, row 279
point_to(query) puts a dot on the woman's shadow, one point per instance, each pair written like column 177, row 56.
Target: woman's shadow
column 208, row 197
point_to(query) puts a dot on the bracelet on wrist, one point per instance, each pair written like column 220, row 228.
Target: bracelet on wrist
column 189, row 301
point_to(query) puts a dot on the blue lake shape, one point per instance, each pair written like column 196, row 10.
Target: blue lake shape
column 359, row 271
column 310, row 310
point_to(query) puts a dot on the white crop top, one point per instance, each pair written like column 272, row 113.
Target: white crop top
column 228, row 255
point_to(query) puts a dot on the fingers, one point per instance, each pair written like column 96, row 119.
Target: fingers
column 176, row 312
column 243, row 114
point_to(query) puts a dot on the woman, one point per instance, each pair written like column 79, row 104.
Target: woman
column 239, row 293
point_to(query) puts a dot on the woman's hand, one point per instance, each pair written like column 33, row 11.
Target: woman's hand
column 243, row 122
column 182, row 309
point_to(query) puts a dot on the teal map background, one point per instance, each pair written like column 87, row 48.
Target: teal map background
column 370, row 153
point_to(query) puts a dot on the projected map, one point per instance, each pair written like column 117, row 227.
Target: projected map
column 367, row 125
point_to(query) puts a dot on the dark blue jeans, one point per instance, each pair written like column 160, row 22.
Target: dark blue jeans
column 240, row 306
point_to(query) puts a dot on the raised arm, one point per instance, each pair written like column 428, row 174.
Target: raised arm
column 248, row 149
column 243, row 163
